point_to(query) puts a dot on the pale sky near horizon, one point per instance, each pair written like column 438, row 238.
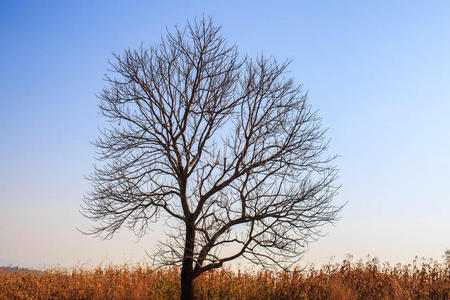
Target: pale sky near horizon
column 378, row 72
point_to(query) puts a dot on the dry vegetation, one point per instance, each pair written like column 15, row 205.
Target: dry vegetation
column 368, row 280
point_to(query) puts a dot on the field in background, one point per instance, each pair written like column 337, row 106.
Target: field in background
column 362, row 280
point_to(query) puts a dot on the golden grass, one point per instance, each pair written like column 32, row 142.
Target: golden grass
column 368, row 280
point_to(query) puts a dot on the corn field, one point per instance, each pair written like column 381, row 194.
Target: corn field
column 347, row 280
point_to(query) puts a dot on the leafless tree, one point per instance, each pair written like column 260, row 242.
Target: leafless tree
column 222, row 148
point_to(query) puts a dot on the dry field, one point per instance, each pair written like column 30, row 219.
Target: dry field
column 368, row 280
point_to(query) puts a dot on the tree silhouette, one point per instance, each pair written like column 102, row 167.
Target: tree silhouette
column 222, row 148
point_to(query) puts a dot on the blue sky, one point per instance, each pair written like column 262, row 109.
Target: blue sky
column 378, row 71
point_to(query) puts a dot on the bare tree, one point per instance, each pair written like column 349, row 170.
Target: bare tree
column 224, row 149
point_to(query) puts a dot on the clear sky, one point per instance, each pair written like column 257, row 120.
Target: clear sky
column 378, row 71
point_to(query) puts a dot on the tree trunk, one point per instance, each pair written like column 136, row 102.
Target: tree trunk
column 187, row 285
column 187, row 271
